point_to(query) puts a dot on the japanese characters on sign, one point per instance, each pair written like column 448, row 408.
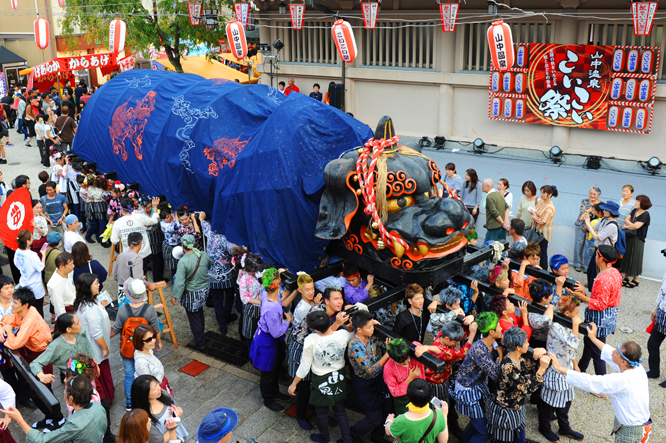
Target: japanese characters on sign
column 643, row 14
column 64, row 64
column 370, row 11
column 297, row 12
column 242, row 12
column 449, row 13
column 585, row 86
column 194, row 10
column 127, row 63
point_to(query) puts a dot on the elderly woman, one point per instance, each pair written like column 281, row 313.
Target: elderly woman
column 635, row 229
column 581, row 261
column 518, row 378
column 604, row 233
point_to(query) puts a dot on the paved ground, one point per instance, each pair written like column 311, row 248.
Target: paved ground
column 230, row 386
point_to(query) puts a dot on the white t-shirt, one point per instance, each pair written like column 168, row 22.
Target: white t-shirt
column 31, row 268
column 70, row 238
column 59, row 176
column 133, row 223
column 324, row 353
column 628, row 390
column 62, row 292
column 7, row 396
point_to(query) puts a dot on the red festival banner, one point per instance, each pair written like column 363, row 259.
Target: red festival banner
column 106, row 62
column 609, row 88
column 194, row 10
column 448, row 13
column 15, row 215
column 370, row 11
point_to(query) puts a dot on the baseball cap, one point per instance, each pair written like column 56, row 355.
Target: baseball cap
column 135, row 290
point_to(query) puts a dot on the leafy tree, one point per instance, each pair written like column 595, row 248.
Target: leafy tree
column 166, row 24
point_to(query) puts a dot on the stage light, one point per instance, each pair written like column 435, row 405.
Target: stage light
column 555, row 154
column 277, row 44
column 264, row 47
column 653, row 166
column 593, row 162
column 479, row 146
column 439, row 142
column 283, row 8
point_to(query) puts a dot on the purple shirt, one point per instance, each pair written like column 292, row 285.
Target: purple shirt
column 271, row 317
column 356, row 295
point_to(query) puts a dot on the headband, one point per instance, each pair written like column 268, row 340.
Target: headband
column 633, row 364
column 491, row 325
column 358, row 274
column 604, row 258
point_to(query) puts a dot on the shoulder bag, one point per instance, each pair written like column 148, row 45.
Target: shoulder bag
column 432, row 425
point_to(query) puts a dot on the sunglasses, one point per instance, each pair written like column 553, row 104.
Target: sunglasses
column 149, row 339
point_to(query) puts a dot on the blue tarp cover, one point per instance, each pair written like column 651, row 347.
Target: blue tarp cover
column 249, row 156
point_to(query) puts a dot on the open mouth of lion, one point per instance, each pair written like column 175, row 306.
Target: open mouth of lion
column 419, row 251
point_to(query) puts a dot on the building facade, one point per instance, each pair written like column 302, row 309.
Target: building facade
column 437, row 83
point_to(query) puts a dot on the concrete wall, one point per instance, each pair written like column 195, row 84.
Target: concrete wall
column 454, row 103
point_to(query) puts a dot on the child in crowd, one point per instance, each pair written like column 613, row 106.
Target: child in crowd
column 446, row 348
column 315, row 94
column 518, row 378
column 114, row 209
column 556, row 393
column 400, row 371
column 356, row 289
column 506, row 312
column 247, row 264
column 82, row 364
column 559, row 266
column 40, row 227
column 97, row 207
column 519, row 280
column 542, row 295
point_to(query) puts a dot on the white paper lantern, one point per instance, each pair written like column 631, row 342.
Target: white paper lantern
column 117, row 34
column 42, row 33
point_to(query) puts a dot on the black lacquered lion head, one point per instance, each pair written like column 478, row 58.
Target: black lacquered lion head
column 381, row 201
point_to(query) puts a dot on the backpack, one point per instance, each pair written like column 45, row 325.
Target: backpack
column 621, row 243
column 126, row 346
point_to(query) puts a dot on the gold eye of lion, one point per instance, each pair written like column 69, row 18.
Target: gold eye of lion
column 396, row 204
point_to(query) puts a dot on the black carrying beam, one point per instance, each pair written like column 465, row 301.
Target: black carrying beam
column 428, row 360
column 37, row 386
column 477, row 255
column 532, row 307
column 320, row 273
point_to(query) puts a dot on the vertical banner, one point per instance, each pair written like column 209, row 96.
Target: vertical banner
column 210, row 18
column 194, row 9
column 297, row 12
column 609, row 88
column 126, row 63
column 449, row 13
column 370, row 11
column 3, row 86
column 643, row 16
column 250, row 21
column 242, row 12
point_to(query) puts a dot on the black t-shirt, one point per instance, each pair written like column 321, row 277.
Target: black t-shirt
column 72, row 107
column 645, row 218
column 42, row 190
column 316, row 95
column 69, row 90
column 411, row 327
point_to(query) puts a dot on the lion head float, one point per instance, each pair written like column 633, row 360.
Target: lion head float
column 381, row 202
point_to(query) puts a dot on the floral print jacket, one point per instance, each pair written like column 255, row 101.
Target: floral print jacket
column 516, row 382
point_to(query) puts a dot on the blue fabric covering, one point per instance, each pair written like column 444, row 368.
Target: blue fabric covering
column 248, row 155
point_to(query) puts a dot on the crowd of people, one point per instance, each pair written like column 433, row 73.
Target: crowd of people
column 321, row 335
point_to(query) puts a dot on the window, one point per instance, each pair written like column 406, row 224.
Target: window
column 476, row 54
column 622, row 34
column 399, row 44
column 312, row 44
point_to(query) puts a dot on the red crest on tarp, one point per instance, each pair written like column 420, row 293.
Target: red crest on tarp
column 15, row 215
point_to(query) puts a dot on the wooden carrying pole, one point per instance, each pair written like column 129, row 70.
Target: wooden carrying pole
column 169, row 327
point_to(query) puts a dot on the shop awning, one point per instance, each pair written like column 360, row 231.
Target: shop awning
column 7, row 56
column 209, row 69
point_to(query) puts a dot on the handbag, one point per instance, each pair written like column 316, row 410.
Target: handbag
column 432, row 425
column 533, row 236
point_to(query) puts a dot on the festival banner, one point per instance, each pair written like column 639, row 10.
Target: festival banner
column 449, row 13
column 643, row 14
column 15, row 215
column 127, row 63
column 297, row 12
column 194, row 9
column 106, row 62
column 242, row 12
column 608, row 88
column 370, row 11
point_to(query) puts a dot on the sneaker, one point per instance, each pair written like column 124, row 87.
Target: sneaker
column 550, row 435
column 42, row 423
column 9, row 144
column 128, row 406
column 53, row 426
column 570, row 433
column 3, row 161
column 28, row 145
column 304, row 424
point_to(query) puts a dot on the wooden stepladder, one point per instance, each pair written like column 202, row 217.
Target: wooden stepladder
column 169, row 327
column 113, row 255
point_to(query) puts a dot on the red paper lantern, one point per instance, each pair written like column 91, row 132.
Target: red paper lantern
column 14, row 4
column 236, row 39
column 343, row 35
column 117, row 34
column 42, row 33
column 500, row 41
column 643, row 14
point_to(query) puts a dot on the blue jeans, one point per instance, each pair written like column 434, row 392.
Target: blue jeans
column 477, row 431
column 580, row 249
column 96, row 227
column 22, row 128
column 128, row 363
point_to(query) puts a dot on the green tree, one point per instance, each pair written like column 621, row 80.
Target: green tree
column 166, row 25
